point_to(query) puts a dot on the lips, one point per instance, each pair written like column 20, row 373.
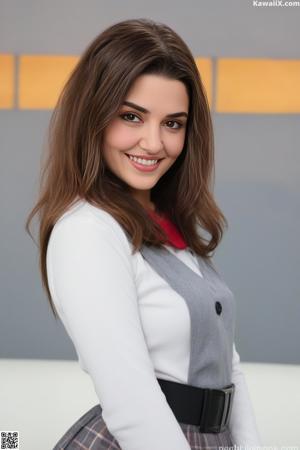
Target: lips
column 144, row 157
column 142, row 167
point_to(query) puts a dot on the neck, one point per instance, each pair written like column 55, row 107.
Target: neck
column 144, row 198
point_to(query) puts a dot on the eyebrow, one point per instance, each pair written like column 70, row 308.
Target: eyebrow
column 144, row 110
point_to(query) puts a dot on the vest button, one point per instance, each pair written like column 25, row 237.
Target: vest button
column 218, row 307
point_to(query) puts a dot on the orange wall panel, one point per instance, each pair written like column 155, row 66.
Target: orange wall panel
column 205, row 69
column 252, row 85
column 41, row 79
column 7, row 90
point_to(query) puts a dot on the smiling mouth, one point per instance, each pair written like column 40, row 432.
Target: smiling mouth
column 158, row 159
column 145, row 165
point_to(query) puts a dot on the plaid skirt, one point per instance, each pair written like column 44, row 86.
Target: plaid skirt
column 90, row 432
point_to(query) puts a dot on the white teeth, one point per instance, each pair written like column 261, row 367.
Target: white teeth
column 146, row 162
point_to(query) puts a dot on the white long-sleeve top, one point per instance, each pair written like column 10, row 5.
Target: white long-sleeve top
column 129, row 327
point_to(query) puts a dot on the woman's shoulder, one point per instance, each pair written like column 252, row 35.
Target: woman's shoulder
column 82, row 209
column 83, row 214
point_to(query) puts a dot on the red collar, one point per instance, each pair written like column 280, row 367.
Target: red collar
column 175, row 238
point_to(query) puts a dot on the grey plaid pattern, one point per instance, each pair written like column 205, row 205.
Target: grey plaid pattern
column 90, row 432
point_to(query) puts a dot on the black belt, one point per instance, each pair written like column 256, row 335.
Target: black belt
column 209, row 409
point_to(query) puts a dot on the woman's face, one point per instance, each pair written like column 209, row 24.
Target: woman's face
column 152, row 125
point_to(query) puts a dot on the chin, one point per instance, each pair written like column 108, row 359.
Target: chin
column 142, row 186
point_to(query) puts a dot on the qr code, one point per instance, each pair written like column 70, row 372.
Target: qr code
column 10, row 439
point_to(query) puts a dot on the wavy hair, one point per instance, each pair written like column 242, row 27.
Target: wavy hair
column 75, row 168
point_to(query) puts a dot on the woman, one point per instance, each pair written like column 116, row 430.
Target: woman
column 125, row 201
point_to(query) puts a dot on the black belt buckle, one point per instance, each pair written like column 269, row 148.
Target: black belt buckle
column 227, row 396
column 228, row 400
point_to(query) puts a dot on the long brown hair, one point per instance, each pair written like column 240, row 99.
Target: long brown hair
column 74, row 166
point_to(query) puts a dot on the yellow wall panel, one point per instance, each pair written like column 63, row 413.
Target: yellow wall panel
column 205, row 68
column 258, row 86
column 6, row 81
column 41, row 79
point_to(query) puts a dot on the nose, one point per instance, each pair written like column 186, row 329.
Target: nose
column 151, row 140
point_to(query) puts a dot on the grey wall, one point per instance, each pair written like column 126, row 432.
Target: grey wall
column 257, row 171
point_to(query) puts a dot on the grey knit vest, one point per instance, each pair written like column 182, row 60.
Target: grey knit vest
column 212, row 309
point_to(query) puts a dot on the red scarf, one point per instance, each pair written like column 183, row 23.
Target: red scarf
column 175, row 238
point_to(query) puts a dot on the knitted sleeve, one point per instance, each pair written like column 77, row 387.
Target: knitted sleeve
column 92, row 284
column 242, row 423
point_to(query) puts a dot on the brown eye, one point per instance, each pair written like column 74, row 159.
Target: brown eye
column 179, row 125
column 130, row 115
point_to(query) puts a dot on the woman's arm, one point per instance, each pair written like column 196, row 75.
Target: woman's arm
column 92, row 284
column 242, row 423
